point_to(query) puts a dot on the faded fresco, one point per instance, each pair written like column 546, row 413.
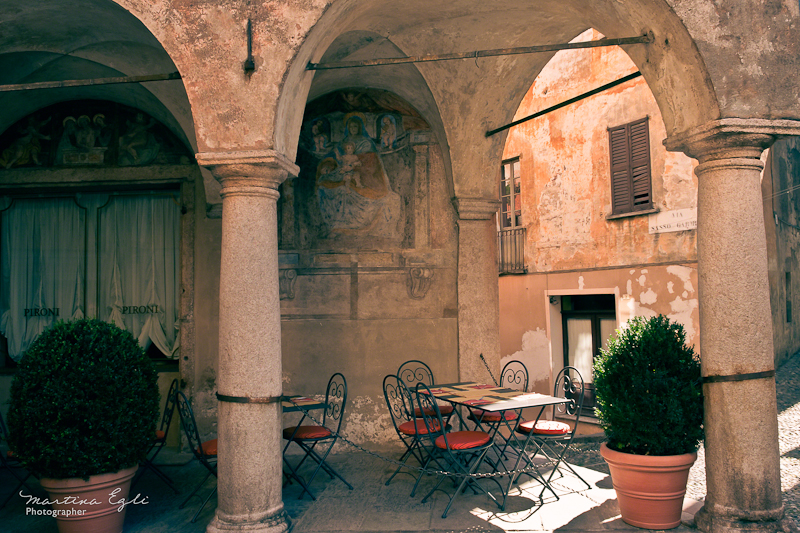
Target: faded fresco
column 356, row 170
column 90, row 133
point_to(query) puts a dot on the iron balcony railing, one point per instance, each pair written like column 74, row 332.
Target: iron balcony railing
column 511, row 250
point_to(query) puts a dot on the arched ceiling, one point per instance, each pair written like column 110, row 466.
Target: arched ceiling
column 53, row 40
column 463, row 99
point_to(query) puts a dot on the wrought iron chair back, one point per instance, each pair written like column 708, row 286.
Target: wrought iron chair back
column 514, row 376
column 399, row 400
column 431, row 415
column 394, row 393
column 413, row 372
column 169, row 407
column 189, row 425
column 569, row 384
column 335, row 399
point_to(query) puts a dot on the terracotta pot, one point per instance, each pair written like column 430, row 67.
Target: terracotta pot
column 650, row 488
column 94, row 512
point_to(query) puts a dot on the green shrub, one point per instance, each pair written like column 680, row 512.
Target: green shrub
column 649, row 389
column 84, row 401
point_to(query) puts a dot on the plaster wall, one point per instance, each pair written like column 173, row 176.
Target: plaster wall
column 530, row 324
column 782, row 222
column 574, row 246
column 566, row 195
column 363, row 293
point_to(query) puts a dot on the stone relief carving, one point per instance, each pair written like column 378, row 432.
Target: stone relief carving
column 286, row 279
column 419, row 282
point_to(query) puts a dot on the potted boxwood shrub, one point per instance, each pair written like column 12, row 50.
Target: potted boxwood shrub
column 650, row 404
column 83, row 411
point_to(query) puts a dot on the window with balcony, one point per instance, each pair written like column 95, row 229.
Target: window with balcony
column 511, row 236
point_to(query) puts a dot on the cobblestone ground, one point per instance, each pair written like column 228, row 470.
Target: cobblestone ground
column 587, row 453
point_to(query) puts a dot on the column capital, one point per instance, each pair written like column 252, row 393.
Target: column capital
column 476, row 208
column 248, row 171
column 731, row 138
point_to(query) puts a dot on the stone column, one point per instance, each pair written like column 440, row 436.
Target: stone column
column 478, row 289
column 741, row 426
column 249, row 375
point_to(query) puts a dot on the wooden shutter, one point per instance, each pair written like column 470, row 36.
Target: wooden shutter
column 621, row 201
column 630, row 167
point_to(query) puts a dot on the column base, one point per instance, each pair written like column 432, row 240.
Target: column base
column 709, row 523
column 277, row 523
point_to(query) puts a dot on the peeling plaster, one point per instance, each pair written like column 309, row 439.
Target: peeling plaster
column 642, row 280
column 670, row 287
column 580, row 282
column 629, row 287
column 648, row 297
column 367, row 421
column 684, row 274
column 682, row 312
column 535, row 355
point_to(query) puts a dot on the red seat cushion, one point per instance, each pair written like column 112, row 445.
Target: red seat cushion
column 444, row 409
column 417, row 427
column 209, row 447
column 160, row 435
column 463, row 440
column 544, row 427
column 492, row 416
column 307, row 432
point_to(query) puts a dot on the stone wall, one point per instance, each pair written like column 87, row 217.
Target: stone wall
column 368, row 254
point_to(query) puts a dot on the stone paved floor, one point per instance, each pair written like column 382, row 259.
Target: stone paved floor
column 374, row 507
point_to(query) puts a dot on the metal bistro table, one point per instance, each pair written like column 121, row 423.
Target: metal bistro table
column 293, row 404
column 492, row 398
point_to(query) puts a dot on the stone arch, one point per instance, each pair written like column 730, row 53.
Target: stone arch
column 112, row 42
column 471, row 97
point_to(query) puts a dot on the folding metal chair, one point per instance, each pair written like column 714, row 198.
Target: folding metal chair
column 160, row 440
column 553, row 438
column 308, row 437
column 410, row 429
column 414, row 371
column 462, row 451
column 514, row 376
column 205, row 452
column 10, row 463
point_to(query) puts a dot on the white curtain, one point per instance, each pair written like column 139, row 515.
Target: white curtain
column 138, row 263
column 43, row 249
column 579, row 337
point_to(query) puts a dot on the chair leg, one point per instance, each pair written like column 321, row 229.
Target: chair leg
column 322, row 464
column 8, row 499
column 292, row 474
column 189, row 497
column 402, row 459
column 210, row 494
column 20, row 483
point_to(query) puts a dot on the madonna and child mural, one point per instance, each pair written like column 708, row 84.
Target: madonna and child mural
column 356, row 168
